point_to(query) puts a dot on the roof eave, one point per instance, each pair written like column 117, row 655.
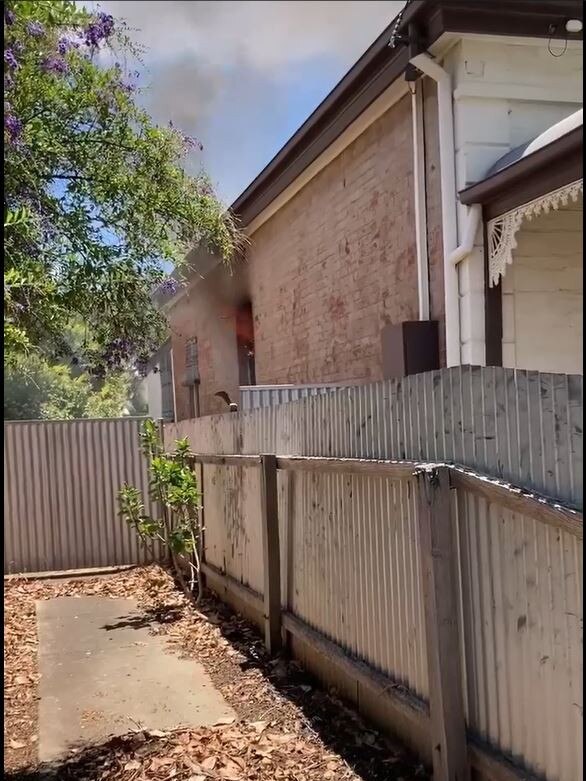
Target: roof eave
column 550, row 167
column 380, row 66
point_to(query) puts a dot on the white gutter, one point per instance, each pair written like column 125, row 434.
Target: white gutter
column 420, row 204
column 429, row 67
column 473, row 218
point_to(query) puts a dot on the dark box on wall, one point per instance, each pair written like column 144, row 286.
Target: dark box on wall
column 410, row 348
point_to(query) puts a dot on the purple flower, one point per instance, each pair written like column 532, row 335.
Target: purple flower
column 168, row 286
column 99, row 30
column 10, row 59
column 12, row 126
column 64, row 45
column 117, row 351
column 191, row 143
column 127, row 87
column 54, row 65
column 107, row 22
column 36, row 29
column 141, row 367
column 93, row 35
column 8, row 16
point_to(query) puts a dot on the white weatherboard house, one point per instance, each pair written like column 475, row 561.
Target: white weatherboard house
column 510, row 113
column 531, row 207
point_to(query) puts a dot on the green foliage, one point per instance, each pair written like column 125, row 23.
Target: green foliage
column 35, row 390
column 110, row 400
column 16, row 217
column 95, row 196
column 173, row 485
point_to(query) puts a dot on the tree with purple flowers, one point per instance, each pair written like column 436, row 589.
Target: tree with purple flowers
column 96, row 201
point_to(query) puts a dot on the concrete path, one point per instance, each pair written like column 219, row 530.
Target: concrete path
column 103, row 674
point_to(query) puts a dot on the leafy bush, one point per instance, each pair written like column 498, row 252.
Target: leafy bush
column 173, row 485
column 96, row 199
column 37, row 390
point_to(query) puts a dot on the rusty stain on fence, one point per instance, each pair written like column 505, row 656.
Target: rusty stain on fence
column 61, row 479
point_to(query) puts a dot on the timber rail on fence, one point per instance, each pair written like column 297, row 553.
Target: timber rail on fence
column 452, row 747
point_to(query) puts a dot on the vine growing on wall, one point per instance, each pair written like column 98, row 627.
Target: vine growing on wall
column 173, row 487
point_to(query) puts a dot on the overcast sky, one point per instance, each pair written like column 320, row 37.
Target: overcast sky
column 242, row 76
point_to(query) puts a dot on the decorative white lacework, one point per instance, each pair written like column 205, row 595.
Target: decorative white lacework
column 503, row 229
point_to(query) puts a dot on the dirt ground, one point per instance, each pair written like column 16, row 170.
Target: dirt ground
column 286, row 728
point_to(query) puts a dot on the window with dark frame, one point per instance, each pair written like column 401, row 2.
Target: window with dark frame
column 245, row 344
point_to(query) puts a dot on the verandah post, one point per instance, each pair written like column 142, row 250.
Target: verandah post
column 437, row 552
column 271, row 553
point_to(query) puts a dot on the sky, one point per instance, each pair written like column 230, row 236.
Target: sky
column 243, row 76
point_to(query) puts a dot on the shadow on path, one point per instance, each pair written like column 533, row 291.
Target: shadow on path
column 147, row 618
column 371, row 756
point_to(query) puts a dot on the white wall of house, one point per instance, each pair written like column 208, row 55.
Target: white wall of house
column 152, row 385
column 542, row 294
column 506, row 92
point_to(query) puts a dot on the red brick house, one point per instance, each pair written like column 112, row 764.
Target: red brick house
column 356, row 227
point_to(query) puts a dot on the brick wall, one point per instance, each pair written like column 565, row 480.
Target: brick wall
column 338, row 262
column 205, row 312
column 326, row 272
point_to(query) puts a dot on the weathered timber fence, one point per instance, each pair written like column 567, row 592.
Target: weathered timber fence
column 61, row 479
column 447, row 605
column 519, row 426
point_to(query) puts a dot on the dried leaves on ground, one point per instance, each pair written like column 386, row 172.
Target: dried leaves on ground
column 288, row 728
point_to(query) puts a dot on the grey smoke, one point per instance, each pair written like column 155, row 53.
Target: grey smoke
column 237, row 59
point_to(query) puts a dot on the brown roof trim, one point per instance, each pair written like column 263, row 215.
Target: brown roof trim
column 548, row 168
column 525, row 18
column 380, row 66
column 367, row 79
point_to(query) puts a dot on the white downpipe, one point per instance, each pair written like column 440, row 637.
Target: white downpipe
column 473, row 217
column 430, row 68
column 420, row 204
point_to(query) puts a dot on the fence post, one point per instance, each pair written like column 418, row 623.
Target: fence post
column 438, row 568
column 271, row 553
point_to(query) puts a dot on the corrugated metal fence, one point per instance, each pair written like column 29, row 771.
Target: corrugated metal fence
column 521, row 627
column 255, row 396
column 352, row 569
column 349, row 543
column 61, row 479
column 524, row 427
column 350, row 551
